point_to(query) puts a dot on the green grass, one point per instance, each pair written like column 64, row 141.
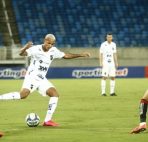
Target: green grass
column 83, row 114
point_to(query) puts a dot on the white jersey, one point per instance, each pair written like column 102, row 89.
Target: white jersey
column 108, row 49
column 40, row 60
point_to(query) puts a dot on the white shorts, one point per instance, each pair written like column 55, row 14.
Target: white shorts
column 108, row 71
column 41, row 85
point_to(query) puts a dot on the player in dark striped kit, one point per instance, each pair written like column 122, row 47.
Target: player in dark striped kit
column 143, row 110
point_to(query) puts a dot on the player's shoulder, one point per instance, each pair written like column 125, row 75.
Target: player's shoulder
column 113, row 43
column 36, row 46
column 54, row 48
column 103, row 43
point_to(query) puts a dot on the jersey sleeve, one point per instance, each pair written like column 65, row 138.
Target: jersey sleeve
column 101, row 48
column 30, row 51
column 59, row 54
column 114, row 49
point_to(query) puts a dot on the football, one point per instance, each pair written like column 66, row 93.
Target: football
column 32, row 120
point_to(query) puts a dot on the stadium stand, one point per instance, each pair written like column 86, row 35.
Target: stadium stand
column 1, row 41
column 83, row 23
column 7, row 17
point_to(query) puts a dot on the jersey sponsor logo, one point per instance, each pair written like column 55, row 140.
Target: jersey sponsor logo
column 108, row 55
column 41, row 68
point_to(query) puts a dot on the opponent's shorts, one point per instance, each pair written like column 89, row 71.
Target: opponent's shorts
column 108, row 71
column 35, row 83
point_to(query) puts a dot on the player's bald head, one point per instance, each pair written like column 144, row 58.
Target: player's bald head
column 49, row 41
column 50, row 37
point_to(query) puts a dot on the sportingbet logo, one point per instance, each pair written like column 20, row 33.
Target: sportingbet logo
column 96, row 73
column 122, row 72
column 87, row 73
column 10, row 73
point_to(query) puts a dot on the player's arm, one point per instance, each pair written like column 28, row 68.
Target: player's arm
column 71, row 56
column 115, row 59
column 101, row 55
column 23, row 50
column 101, row 59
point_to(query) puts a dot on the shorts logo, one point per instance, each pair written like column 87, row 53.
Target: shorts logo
column 31, row 87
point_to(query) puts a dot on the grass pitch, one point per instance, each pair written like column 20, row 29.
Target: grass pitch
column 83, row 115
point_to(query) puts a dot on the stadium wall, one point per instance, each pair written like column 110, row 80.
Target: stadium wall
column 126, row 57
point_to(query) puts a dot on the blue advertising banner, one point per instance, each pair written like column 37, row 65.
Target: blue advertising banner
column 73, row 72
column 94, row 72
column 12, row 72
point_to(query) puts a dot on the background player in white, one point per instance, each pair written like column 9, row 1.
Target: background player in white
column 35, row 78
column 143, row 110
column 108, row 62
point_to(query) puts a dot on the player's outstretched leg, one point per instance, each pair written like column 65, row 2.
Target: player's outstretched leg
column 10, row 96
column 143, row 110
column 51, row 107
column 15, row 95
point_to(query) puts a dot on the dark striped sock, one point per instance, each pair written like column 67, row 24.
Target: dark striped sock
column 143, row 110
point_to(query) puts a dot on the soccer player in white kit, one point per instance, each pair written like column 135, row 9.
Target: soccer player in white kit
column 108, row 62
column 35, row 78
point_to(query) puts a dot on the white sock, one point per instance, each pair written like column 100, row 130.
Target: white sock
column 112, row 86
column 142, row 123
column 103, row 86
column 51, row 108
column 10, row 96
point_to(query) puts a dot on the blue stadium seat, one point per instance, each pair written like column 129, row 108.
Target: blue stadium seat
column 83, row 24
